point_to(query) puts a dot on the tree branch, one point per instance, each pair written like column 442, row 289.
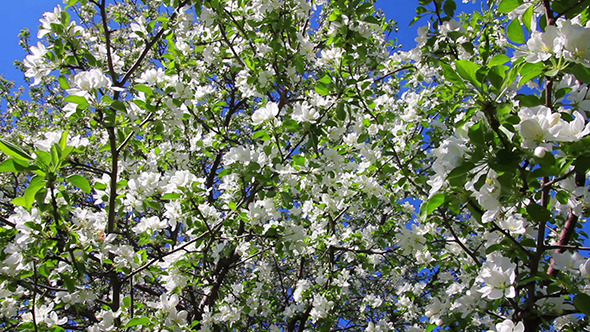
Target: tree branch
column 148, row 47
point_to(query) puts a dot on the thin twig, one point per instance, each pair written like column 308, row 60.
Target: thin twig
column 566, row 247
column 107, row 35
column 128, row 138
column 393, row 72
column 148, row 47
column 34, row 296
column 456, row 238
column 182, row 247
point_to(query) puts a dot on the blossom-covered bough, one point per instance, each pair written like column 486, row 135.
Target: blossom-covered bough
column 279, row 165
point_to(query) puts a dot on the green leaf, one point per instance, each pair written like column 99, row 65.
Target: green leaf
column 498, row 59
column 506, row 6
column 562, row 196
column 171, row 196
column 580, row 146
column 468, row 69
column 582, row 164
column 223, row 173
column 451, row 75
column 80, row 182
column 119, row 105
column 585, row 16
column 476, row 134
column 28, row 326
column 530, row 71
column 291, row 125
column 71, row 3
column 527, row 17
column 143, row 88
column 299, row 160
column 63, row 82
column 56, row 329
column 582, row 73
column 137, row 321
column 371, row 19
column 326, row 79
column 20, row 201
column 43, row 160
column 515, row 32
column 14, row 151
column 570, row 8
column 529, row 100
column 496, row 76
column 55, row 157
column 538, row 276
column 261, row 134
column 538, row 213
column 153, row 204
column 76, row 100
column 14, row 165
column 449, row 8
column 458, row 176
column 63, row 140
column 106, row 100
column 322, row 89
column 506, row 160
column 340, row 112
column 582, row 303
column 552, row 72
column 28, row 198
column 432, row 204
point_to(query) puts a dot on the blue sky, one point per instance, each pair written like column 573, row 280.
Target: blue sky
column 17, row 15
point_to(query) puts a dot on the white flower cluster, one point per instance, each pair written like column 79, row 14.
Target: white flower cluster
column 37, row 66
column 509, row 326
column 573, row 263
column 448, row 156
column 174, row 317
column 567, row 39
column 539, row 125
column 498, row 277
column 54, row 18
column 92, row 79
column 268, row 112
column 53, row 137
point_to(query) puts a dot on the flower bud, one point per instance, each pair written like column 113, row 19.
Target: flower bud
column 540, row 152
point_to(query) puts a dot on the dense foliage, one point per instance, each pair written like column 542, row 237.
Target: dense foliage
column 280, row 165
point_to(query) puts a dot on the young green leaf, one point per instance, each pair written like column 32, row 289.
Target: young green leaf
column 137, row 321
column 80, row 182
column 468, row 69
column 13, row 165
column 582, row 303
column 14, row 150
column 28, row 198
column 506, row 6
column 76, row 100
column 432, row 204
column 515, row 32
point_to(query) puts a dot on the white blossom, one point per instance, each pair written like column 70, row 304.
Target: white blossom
column 498, row 277
column 515, row 224
column 268, row 112
column 92, row 79
column 37, row 67
column 509, row 326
